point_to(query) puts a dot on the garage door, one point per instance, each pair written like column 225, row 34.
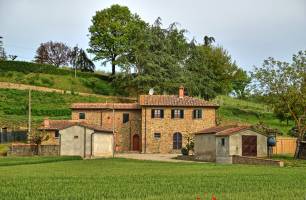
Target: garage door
column 249, row 145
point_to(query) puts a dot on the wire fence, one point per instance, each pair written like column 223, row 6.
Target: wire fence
column 13, row 136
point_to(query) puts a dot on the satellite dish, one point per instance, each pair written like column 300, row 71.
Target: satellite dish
column 151, row 91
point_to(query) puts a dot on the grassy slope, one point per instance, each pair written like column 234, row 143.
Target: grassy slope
column 129, row 179
column 236, row 110
column 13, row 106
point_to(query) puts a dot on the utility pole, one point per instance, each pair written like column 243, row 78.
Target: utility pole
column 114, row 144
column 29, row 122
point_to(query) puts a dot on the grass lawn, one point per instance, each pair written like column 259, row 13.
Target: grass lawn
column 131, row 179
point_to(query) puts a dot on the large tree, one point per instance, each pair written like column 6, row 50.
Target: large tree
column 240, row 82
column 53, row 53
column 108, row 34
column 285, row 84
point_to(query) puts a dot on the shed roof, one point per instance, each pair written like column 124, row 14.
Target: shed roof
column 173, row 100
column 223, row 130
column 63, row 124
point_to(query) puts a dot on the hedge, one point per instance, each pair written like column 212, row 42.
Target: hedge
column 28, row 67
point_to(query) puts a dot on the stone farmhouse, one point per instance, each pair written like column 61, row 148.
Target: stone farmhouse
column 155, row 124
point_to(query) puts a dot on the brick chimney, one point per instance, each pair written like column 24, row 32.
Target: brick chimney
column 181, row 92
column 46, row 123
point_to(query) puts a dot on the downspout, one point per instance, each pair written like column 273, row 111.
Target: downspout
column 84, row 142
column 145, row 131
column 114, row 147
column 91, row 144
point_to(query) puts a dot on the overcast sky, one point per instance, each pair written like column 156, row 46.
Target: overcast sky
column 251, row 31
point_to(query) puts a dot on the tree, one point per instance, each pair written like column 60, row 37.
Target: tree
column 38, row 138
column 53, row 53
column 108, row 34
column 2, row 51
column 13, row 57
column 240, row 81
column 80, row 61
column 286, row 85
column 208, row 40
column 209, row 71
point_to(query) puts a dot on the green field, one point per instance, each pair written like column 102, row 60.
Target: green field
column 131, row 179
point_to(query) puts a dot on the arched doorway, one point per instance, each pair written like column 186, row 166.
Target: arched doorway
column 177, row 140
column 136, row 142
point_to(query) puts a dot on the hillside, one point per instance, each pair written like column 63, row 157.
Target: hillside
column 14, row 106
column 52, row 77
column 13, row 103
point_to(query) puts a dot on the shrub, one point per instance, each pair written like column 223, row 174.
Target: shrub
column 185, row 151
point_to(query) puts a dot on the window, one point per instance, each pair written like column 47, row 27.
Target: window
column 76, row 137
column 176, row 113
column 197, row 114
column 56, row 134
column 156, row 136
column 81, row 115
column 177, row 141
column 222, row 141
column 157, row 113
column 126, row 117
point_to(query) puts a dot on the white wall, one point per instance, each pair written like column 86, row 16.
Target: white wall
column 102, row 144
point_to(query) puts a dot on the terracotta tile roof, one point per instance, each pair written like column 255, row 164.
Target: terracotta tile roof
column 173, row 100
column 223, row 130
column 117, row 106
column 62, row 124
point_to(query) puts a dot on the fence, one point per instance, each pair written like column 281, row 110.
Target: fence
column 14, row 136
column 284, row 145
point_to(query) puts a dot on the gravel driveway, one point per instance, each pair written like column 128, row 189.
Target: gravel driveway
column 154, row 157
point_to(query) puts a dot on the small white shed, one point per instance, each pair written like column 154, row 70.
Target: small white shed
column 219, row 144
column 86, row 141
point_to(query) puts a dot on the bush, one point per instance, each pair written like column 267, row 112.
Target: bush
column 185, row 151
column 28, row 67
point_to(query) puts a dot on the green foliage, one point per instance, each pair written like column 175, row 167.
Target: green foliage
column 13, row 106
column 27, row 67
column 108, row 34
column 122, row 178
column 185, row 151
column 240, row 81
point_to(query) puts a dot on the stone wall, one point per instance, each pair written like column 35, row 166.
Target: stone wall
column 31, row 150
column 256, row 161
column 168, row 126
column 124, row 132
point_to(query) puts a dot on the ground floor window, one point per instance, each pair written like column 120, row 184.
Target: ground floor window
column 177, row 140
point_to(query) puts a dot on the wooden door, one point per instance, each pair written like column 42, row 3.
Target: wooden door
column 249, row 145
column 135, row 142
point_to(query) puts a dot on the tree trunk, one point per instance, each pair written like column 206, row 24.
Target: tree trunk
column 297, row 149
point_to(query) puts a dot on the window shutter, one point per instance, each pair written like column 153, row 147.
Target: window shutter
column 182, row 114
column 172, row 114
column 152, row 113
column 161, row 113
column 194, row 114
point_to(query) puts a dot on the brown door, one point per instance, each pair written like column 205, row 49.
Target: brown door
column 249, row 145
column 135, row 142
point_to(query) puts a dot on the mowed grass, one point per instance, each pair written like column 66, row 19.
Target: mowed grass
column 131, row 179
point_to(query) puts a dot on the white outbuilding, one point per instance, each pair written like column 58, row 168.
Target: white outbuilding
column 220, row 143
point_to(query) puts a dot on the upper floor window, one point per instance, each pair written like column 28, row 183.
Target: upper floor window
column 156, row 136
column 197, row 114
column 81, row 115
column 126, row 117
column 176, row 113
column 222, row 141
column 157, row 113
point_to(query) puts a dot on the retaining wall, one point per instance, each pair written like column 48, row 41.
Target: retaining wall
column 32, row 149
column 256, row 161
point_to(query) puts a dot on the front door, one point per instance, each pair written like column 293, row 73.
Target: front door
column 249, row 145
column 136, row 143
